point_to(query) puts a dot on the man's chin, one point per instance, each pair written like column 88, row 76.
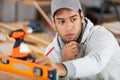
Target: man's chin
column 67, row 41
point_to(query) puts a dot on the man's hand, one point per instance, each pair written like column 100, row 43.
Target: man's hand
column 70, row 51
column 47, row 62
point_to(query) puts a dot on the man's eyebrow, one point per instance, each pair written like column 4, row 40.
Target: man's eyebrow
column 60, row 18
column 69, row 17
column 73, row 16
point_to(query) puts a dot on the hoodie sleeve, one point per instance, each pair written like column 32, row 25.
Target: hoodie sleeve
column 101, row 47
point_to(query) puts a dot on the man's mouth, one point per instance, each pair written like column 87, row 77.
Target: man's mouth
column 69, row 35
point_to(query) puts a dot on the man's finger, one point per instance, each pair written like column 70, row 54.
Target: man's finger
column 73, row 43
column 38, row 60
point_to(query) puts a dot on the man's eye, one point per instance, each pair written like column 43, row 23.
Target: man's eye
column 73, row 19
column 61, row 22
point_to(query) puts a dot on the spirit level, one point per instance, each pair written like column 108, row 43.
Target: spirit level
column 26, row 68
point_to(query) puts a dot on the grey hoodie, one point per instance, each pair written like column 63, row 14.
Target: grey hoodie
column 99, row 55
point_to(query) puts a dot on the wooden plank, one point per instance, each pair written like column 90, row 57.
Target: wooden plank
column 114, row 27
column 43, row 14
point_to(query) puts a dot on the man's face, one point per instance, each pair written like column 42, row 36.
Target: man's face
column 68, row 24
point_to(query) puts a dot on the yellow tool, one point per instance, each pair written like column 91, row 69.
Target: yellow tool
column 26, row 68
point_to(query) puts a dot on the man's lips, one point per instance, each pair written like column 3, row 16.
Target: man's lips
column 69, row 35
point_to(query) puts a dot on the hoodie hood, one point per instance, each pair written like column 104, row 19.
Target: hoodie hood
column 87, row 29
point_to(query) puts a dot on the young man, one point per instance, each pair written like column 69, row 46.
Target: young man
column 80, row 50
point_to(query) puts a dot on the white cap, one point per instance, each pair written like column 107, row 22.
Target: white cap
column 70, row 4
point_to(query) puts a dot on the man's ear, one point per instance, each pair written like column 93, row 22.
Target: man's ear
column 53, row 23
column 82, row 16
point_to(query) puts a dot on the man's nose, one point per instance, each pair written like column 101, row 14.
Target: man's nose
column 69, row 25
